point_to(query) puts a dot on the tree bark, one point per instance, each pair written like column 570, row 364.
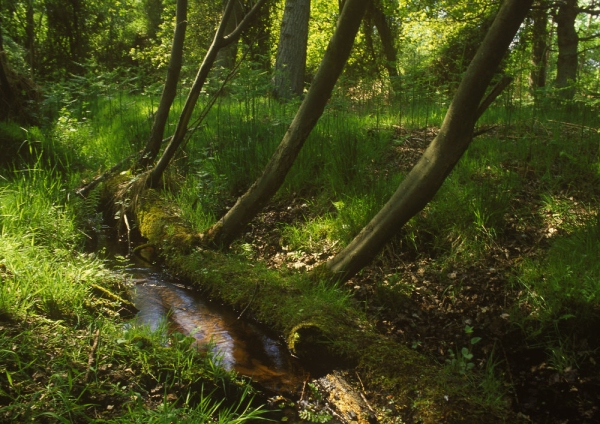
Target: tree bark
column 169, row 91
column 218, row 43
column 568, row 42
column 30, row 37
column 227, row 55
column 539, row 49
column 387, row 41
column 259, row 38
column 332, row 64
column 290, row 65
column 6, row 91
column 438, row 160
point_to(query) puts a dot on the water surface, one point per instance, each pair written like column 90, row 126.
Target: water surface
column 244, row 346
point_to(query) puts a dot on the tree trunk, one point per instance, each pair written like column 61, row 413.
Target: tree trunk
column 259, row 38
column 568, row 41
column 227, row 55
column 218, row 43
column 336, row 55
column 153, row 9
column 169, row 91
column 30, row 37
column 587, row 35
column 539, row 49
column 438, row 160
column 387, row 41
column 6, row 91
column 290, row 65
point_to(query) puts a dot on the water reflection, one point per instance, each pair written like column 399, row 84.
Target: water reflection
column 240, row 345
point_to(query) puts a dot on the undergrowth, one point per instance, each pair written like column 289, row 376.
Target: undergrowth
column 65, row 353
column 534, row 176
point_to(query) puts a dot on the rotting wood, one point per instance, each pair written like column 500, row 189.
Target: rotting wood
column 130, row 307
column 346, row 400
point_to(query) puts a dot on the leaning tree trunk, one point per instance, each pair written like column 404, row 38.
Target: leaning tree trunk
column 290, row 65
column 455, row 135
column 169, row 91
column 336, row 55
column 220, row 41
column 539, row 49
column 568, row 42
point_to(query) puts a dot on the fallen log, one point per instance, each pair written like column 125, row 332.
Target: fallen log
column 320, row 322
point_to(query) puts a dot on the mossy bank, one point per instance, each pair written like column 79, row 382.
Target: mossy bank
column 321, row 322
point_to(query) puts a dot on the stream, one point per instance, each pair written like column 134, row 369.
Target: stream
column 240, row 344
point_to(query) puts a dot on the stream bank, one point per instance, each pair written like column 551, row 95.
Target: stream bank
column 319, row 320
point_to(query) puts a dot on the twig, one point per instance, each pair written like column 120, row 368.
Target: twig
column 496, row 91
column 302, row 394
column 86, row 189
column 484, row 130
column 249, row 303
column 126, row 221
column 362, row 394
column 570, row 124
column 91, row 355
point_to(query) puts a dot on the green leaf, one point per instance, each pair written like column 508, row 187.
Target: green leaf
column 475, row 340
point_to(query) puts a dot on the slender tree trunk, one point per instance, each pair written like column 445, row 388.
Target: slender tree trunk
column 369, row 43
column 438, row 160
column 227, row 55
column 30, row 36
column 169, row 91
column 568, row 42
column 259, row 37
column 218, row 43
column 539, row 49
column 336, row 55
column 6, row 91
column 153, row 10
column 290, row 65
column 387, row 41
column 586, row 34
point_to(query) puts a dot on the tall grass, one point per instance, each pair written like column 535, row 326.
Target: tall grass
column 65, row 355
column 540, row 150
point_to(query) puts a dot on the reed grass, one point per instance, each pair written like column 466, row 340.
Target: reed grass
column 555, row 146
column 65, row 353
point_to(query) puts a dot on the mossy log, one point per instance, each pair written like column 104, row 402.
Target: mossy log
column 319, row 321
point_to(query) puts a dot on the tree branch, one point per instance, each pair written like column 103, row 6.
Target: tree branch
column 588, row 11
column 496, row 91
column 192, row 99
column 244, row 24
column 591, row 37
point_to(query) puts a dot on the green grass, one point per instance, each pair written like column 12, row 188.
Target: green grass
column 524, row 174
column 52, row 314
column 565, row 284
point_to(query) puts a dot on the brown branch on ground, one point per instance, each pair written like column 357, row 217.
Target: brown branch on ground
column 91, row 356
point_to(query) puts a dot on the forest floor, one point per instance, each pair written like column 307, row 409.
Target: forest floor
column 450, row 304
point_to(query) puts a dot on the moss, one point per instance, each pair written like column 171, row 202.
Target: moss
column 320, row 321
column 160, row 223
